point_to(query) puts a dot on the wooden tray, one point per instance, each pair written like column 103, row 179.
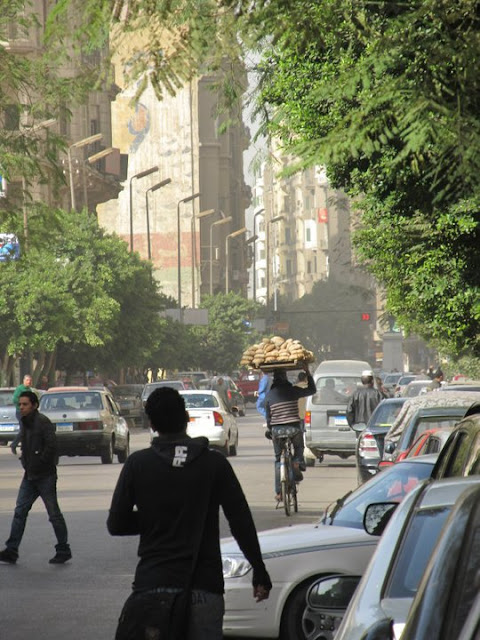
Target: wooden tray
column 287, row 365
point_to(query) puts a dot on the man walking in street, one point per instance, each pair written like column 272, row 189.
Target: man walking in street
column 169, row 495
column 39, row 458
column 362, row 402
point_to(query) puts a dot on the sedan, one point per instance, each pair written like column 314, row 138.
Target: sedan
column 87, row 422
column 8, row 420
column 296, row 556
column 211, row 418
column 369, row 449
column 129, row 400
column 385, row 593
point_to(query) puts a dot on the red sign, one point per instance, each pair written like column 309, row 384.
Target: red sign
column 322, row 215
column 366, row 316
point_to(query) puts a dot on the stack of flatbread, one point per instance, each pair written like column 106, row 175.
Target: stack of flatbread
column 275, row 350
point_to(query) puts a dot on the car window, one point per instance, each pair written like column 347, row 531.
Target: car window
column 112, row 407
column 334, row 389
column 392, row 378
column 385, row 414
column 75, row 400
column 425, row 423
column 200, row 401
column 415, row 551
column 390, row 485
column 6, row 398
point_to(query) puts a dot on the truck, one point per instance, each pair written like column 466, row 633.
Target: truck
column 247, row 382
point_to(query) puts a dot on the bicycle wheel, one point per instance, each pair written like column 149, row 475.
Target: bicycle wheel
column 286, row 496
column 295, row 497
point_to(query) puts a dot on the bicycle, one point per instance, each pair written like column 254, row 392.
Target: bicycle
column 287, row 475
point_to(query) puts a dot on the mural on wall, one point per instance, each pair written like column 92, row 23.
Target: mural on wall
column 139, row 126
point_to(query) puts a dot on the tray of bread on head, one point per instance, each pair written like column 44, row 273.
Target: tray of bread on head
column 277, row 353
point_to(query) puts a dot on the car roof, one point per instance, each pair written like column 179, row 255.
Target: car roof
column 196, row 392
column 69, row 389
column 444, row 492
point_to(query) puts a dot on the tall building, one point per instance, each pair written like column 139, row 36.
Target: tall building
column 91, row 167
column 184, row 226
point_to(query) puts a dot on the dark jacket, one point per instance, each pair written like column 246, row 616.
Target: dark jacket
column 362, row 404
column 39, row 446
column 281, row 402
column 161, row 495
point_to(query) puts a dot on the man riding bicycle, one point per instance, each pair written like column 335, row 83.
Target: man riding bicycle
column 281, row 405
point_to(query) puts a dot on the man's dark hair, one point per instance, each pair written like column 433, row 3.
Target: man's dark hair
column 302, row 376
column 166, row 409
column 30, row 395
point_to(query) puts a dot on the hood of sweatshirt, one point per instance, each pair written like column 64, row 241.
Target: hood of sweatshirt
column 181, row 452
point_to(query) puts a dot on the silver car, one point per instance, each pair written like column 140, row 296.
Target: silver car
column 8, row 421
column 87, row 422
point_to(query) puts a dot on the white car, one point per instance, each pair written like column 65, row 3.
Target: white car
column 296, row 556
column 210, row 417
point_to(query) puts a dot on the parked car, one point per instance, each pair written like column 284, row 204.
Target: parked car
column 129, row 399
column 460, row 456
column 388, row 586
column 447, row 604
column 296, row 556
column 425, row 412
column 87, row 422
column 236, row 401
column 326, row 426
column 369, row 449
column 8, row 421
column 471, row 385
column 210, row 417
column 430, row 441
column 415, row 388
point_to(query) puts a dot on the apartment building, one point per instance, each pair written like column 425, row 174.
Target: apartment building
column 90, row 166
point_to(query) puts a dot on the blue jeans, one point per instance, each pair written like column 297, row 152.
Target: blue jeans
column 298, row 449
column 30, row 490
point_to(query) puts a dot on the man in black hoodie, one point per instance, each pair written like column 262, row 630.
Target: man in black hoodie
column 164, row 494
column 39, row 459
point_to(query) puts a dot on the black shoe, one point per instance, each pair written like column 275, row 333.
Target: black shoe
column 8, row 556
column 302, row 466
column 297, row 475
column 60, row 557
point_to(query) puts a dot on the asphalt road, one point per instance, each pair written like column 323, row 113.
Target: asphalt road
column 81, row 600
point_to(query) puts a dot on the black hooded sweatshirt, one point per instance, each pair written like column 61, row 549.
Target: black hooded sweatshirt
column 161, row 494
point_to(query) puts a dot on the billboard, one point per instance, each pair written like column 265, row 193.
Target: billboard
column 9, row 247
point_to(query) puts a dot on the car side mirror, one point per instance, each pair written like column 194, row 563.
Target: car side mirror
column 377, row 516
column 381, row 630
column 359, row 427
column 327, row 600
column 390, row 447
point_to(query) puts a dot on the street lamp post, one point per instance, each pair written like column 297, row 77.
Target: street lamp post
column 159, row 185
column 179, row 262
column 76, row 145
column 141, row 174
column 218, row 222
column 255, row 215
column 267, row 251
column 230, row 235
column 202, row 214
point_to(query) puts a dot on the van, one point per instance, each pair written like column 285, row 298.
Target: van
column 326, row 426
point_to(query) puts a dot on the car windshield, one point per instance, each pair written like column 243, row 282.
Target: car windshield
column 392, row 378
column 423, row 424
column 6, row 398
column 200, row 401
column 415, row 551
column 334, row 389
column 74, row 400
column 385, row 414
column 390, row 485
column 173, row 384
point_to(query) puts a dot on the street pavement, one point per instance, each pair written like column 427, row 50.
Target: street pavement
column 82, row 599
